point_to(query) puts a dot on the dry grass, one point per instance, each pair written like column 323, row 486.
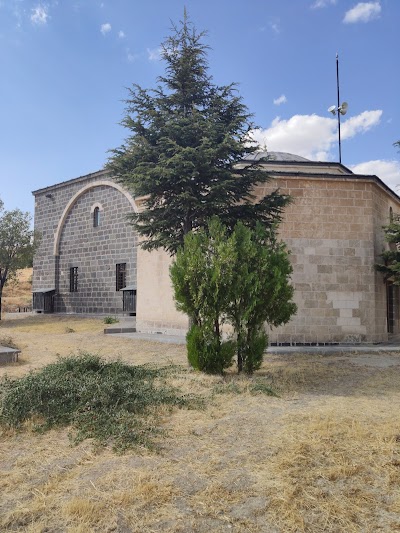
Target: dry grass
column 323, row 456
column 337, row 470
column 18, row 293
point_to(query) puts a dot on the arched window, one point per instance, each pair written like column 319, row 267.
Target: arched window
column 96, row 217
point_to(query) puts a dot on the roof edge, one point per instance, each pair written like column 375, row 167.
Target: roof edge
column 73, row 180
column 352, row 176
column 306, row 163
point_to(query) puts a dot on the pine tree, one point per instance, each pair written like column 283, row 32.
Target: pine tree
column 186, row 138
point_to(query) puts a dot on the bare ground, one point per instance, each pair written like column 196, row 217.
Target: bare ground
column 324, row 456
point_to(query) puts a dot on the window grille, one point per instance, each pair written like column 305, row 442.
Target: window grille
column 73, row 279
column 120, row 276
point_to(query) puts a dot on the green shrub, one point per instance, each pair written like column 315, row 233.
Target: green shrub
column 110, row 320
column 238, row 276
column 109, row 402
column 207, row 352
column 253, row 352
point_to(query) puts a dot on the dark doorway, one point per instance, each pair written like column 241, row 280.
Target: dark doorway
column 392, row 302
column 129, row 300
column 43, row 301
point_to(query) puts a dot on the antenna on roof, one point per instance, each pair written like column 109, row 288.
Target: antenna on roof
column 341, row 109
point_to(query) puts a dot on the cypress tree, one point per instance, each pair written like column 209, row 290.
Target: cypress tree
column 242, row 280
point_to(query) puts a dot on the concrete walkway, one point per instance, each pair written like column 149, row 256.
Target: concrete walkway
column 326, row 350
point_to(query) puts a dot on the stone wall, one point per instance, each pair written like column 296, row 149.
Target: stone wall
column 64, row 218
column 330, row 230
column 49, row 206
column 333, row 229
column 383, row 205
column 156, row 310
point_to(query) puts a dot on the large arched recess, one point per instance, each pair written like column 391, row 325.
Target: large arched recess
column 74, row 199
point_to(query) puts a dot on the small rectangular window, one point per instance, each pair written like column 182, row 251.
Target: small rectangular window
column 73, row 279
column 120, row 276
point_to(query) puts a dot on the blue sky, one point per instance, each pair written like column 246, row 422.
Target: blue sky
column 66, row 64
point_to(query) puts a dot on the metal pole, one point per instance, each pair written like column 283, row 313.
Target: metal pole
column 338, row 106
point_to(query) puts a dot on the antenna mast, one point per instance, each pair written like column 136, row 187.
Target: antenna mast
column 340, row 109
column 338, row 106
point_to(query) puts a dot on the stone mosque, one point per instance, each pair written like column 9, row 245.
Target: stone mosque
column 89, row 260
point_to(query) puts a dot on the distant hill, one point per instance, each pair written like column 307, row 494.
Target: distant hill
column 18, row 294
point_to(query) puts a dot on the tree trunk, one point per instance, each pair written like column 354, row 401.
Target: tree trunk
column 239, row 341
column 216, row 328
column 187, row 224
column 3, row 279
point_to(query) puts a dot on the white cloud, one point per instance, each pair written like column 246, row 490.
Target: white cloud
column 121, row 34
column 154, row 54
column 360, row 123
column 388, row 171
column 363, row 12
column 322, row 3
column 105, row 28
column 312, row 136
column 17, row 11
column 281, row 100
column 275, row 27
column 130, row 56
column 306, row 135
column 40, row 15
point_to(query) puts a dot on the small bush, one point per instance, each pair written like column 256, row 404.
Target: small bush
column 108, row 402
column 110, row 320
column 207, row 353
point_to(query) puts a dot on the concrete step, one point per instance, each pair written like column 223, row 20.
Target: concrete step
column 114, row 329
column 8, row 355
column 124, row 325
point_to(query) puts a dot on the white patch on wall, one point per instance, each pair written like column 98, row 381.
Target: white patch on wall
column 347, row 302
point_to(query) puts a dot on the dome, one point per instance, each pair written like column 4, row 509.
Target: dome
column 276, row 156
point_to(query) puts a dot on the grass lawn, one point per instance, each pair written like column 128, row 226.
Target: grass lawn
column 322, row 456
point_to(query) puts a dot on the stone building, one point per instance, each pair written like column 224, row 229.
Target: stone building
column 87, row 252
column 89, row 261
